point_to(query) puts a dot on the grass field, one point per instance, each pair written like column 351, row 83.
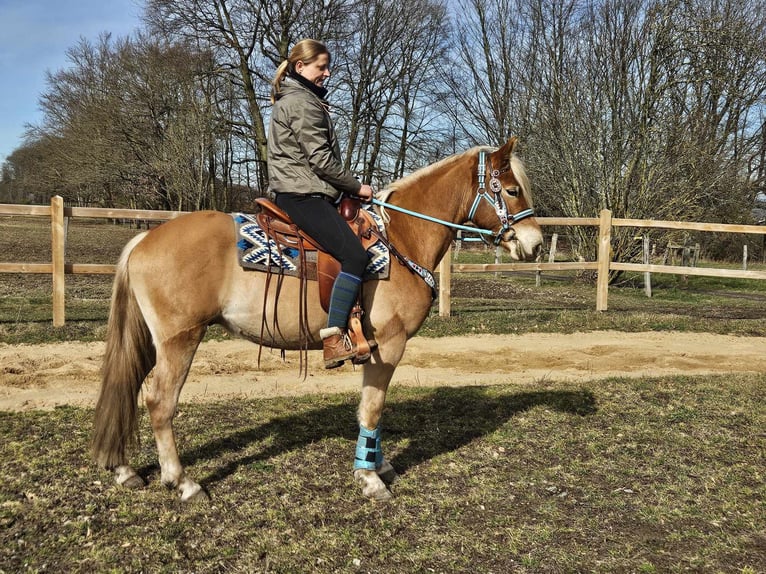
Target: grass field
column 651, row 475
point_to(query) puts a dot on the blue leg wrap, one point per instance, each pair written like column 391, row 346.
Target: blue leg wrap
column 369, row 454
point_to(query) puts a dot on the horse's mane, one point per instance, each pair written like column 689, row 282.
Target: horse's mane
column 408, row 180
column 520, row 173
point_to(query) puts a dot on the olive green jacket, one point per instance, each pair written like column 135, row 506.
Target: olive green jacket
column 304, row 155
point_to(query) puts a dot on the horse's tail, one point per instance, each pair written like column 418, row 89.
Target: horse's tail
column 128, row 358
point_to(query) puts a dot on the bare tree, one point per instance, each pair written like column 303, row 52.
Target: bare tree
column 648, row 108
column 128, row 122
column 651, row 108
column 489, row 76
column 388, row 79
column 248, row 39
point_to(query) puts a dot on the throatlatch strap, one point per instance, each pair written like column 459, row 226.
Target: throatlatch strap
column 369, row 454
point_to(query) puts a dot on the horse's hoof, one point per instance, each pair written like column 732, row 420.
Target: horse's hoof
column 127, row 477
column 192, row 492
column 372, row 485
column 199, row 496
column 135, row 482
column 379, row 495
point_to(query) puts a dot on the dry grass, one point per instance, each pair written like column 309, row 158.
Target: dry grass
column 660, row 475
column 653, row 475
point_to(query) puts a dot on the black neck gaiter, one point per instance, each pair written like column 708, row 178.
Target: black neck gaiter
column 318, row 90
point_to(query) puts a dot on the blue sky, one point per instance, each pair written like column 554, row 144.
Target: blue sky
column 34, row 38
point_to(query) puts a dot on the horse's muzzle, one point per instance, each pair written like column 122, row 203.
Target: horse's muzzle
column 523, row 245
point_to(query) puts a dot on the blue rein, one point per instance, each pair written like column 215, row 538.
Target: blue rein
column 432, row 219
column 514, row 218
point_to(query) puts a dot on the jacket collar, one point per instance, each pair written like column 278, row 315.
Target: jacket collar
column 318, row 91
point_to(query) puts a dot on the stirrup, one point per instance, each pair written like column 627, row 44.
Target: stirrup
column 364, row 346
column 360, row 359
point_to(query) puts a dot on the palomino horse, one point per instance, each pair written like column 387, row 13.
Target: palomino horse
column 174, row 281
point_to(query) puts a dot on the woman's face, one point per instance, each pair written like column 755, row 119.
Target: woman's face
column 317, row 71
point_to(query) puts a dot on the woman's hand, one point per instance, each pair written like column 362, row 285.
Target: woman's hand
column 365, row 193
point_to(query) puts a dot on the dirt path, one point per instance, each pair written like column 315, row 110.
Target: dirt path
column 44, row 376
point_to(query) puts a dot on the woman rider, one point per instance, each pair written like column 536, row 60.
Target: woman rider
column 308, row 178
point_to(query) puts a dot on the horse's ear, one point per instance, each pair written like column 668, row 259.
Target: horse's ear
column 503, row 155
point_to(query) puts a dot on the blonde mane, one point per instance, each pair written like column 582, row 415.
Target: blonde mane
column 520, row 173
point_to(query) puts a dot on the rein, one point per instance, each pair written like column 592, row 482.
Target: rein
column 432, row 219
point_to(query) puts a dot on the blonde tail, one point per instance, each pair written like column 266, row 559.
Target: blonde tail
column 128, row 358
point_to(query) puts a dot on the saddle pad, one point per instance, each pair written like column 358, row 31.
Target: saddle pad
column 256, row 251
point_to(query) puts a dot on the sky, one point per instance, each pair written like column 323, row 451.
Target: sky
column 34, row 38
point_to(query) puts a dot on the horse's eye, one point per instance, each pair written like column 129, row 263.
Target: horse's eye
column 512, row 191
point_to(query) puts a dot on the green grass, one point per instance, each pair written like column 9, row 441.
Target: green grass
column 481, row 303
column 653, row 475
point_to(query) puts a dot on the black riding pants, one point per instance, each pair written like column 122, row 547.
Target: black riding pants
column 318, row 217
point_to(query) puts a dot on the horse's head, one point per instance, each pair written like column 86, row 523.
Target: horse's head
column 503, row 202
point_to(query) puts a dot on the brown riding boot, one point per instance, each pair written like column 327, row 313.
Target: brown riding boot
column 337, row 345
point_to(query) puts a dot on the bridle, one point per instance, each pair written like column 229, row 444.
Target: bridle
column 498, row 202
column 501, row 208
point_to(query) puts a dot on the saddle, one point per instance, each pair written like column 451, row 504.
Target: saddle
column 278, row 226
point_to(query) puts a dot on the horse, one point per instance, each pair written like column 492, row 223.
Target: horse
column 174, row 281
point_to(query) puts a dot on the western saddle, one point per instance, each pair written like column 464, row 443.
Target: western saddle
column 278, row 226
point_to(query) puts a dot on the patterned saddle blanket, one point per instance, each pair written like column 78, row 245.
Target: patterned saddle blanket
column 259, row 252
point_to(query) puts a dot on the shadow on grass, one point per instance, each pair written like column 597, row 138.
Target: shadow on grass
column 439, row 422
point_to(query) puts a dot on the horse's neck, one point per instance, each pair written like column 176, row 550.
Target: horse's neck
column 426, row 242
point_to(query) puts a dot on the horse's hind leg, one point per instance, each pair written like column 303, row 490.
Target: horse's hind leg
column 174, row 358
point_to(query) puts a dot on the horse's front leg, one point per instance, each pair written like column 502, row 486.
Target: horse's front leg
column 371, row 470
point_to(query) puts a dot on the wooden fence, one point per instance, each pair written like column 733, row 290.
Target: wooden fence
column 604, row 264
column 59, row 268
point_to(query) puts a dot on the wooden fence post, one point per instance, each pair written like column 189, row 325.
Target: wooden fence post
column 445, row 277
column 58, row 238
column 604, row 258
column 647, row 260
column 551, row 258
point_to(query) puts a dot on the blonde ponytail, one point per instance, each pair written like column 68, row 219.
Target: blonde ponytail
column 276, row 83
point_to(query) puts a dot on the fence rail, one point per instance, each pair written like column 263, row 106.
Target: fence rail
column 603, row 265
column 58, row 268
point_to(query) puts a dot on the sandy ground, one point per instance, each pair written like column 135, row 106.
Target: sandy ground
column 44, row 376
